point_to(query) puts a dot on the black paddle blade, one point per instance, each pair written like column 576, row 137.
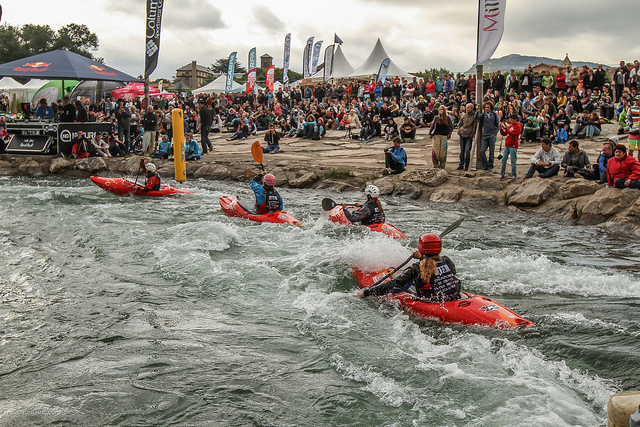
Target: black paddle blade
column 328, row 204
column 452, row 227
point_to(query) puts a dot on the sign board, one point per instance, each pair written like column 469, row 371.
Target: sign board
column 38, row 144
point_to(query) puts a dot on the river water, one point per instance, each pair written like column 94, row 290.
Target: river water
column 135, row 311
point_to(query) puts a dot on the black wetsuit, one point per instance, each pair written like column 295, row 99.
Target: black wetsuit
column 368, row 214
column 443, row 285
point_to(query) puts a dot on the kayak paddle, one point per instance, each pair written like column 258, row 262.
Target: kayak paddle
column 444, row 232
column 328, row 204
column 256, row 152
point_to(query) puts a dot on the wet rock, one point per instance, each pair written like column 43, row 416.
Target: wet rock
column 386, row 185
column 481, row 200
column 532, row 192
column 92, row 164
column 407, row 189
column 447, row 195
column 217, row 172
column 606, row 203
column 303, row 179
column 30, row 168
column 336, row 186
column 578, row 187
column 281, row 177
column 59, row 165
column 429, row 177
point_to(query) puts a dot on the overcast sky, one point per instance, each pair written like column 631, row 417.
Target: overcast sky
column 417, row 34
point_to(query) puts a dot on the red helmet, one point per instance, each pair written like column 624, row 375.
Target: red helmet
column 269, row 180
column 429, row 244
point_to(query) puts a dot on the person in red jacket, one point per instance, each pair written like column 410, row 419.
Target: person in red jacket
column 153, row 179
column 623, row 170
column 511, row 128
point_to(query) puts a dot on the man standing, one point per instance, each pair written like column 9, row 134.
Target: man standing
column 546, row 161
column 466, row 131
column 205, row 126
column 490, row 123
column 149, row 121
column 123, row 116
column 68, row 114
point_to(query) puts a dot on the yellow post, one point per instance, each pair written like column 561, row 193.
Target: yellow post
column 178, row 145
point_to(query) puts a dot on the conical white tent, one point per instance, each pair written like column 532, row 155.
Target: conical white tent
column 341, row 67
column 217, row 86
column 371, row 65
column 7, row 83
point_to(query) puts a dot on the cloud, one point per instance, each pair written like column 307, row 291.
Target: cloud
column 267, row 19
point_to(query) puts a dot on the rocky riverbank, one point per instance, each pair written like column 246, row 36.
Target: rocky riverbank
column 338, row 163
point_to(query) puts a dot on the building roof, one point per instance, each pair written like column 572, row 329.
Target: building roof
column 266, row 55
column 198, row 68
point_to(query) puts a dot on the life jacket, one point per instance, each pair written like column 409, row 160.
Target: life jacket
column 271, row 202
column 377, row 216
column 153, row 182
column 443, row 285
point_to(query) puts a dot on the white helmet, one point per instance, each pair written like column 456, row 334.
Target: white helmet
column 150, row 167
column 372, row 191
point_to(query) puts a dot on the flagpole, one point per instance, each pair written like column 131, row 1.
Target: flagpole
column 479, row 98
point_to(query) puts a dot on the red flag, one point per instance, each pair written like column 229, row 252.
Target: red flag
column 271, row 74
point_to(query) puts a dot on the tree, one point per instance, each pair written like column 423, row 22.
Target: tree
column 433, row 73
column 222, row 65
column 261, row 75
column 78, row 39
column 20, row 42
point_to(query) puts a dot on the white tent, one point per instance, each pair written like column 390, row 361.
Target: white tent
column 371, row 65
column 341, row 67
column 7, row 83
column 216, row 86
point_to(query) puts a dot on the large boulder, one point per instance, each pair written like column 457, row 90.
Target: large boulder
column 532, row 193
column 60, row 164
column 578, row 187
column 91, row 164
column 447, row 195
column 605, row 203
column 407, row 189
column 386, row 185
column 337, row 186
column 281, row 178
column 30, row 168
column 430, row 177
column 303, row 179
column 216, row 172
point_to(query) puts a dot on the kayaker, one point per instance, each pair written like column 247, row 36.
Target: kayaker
column 369, row 213
column 153, row 179
column 267, row 198
column 434, row 277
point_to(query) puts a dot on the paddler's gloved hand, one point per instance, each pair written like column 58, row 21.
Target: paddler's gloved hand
column 417, row 255
column 360, row 293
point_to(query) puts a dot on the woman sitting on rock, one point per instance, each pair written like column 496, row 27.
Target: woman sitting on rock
column 623, row 170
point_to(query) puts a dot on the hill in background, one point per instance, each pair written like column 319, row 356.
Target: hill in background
column 520, row 62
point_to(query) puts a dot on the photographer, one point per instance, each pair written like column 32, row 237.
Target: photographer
column 272, row 138
column 395, row 158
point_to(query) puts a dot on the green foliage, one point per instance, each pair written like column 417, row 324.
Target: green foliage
column 434, row 73
column 222, row 65
column 261, row 76
column 19, row 42
column 338, row 174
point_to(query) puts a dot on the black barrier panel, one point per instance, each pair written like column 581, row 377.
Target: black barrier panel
column 29, row 144
column 67, row 132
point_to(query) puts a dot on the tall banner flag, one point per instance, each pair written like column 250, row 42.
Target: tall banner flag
column 328, row 62
column 490, row 28
column 337, row 39
column 252, row 59
column 384, row 69
column 251, row 81
column 287, row 56
column 306, row 58
column 316, row 57
column 152, row 40
column 271, row 77
column 231, row 68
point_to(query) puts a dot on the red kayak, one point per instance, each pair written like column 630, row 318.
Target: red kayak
column 233, row 207
column 124, row 187
column 470, row 309
column 337, row 215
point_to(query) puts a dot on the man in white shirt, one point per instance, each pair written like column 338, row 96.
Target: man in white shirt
column 546, row 162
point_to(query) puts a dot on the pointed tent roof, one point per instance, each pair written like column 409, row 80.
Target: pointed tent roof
column 217, row 86
column 341, row 66
column 371, row 65
column 7, row 83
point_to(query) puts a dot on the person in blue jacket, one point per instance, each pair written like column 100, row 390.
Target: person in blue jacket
column 191, row 148
column 44, row 111
column 267, row 198
column 395, row 158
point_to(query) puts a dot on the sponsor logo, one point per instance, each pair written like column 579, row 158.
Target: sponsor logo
column 101, row 70
column 95, row 67
column 490, row 307
column 33, row 67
